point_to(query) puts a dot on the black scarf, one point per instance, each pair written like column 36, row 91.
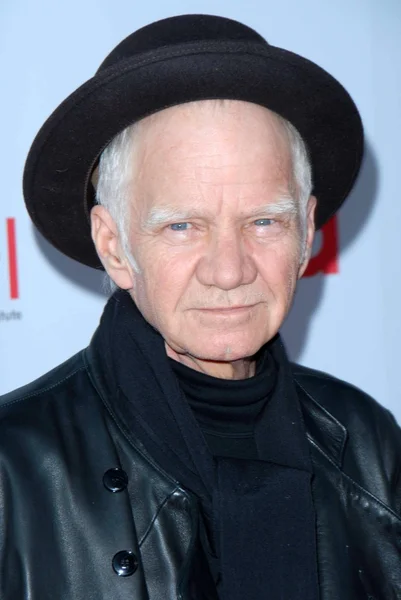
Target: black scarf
column 259, row 512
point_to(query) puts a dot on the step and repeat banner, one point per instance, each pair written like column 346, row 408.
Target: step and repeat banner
column 346, row 316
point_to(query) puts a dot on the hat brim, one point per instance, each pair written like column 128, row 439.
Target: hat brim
column 57, row 187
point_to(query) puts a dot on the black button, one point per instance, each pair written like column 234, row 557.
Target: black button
column 125, row 563
column 115, row 480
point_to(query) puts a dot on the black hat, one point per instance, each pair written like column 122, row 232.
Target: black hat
column 170, row 62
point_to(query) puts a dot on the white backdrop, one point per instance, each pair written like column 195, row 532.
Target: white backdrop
column 346, row 323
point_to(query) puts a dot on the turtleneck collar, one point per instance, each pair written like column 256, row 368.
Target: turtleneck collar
column 222, row 405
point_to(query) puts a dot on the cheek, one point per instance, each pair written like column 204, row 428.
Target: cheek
column 279, row 271
column 162, row 283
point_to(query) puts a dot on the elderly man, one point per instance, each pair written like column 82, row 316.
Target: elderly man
column 181, row 455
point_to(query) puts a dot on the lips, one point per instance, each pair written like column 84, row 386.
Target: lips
column 220, row 308
column 227, row 309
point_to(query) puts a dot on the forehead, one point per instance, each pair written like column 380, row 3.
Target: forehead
column 213, row 142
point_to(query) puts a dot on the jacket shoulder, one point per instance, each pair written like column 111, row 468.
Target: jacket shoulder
column 45, row 386
column 343, row 400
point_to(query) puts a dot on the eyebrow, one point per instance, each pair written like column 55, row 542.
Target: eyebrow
column 167, row 214
column 285, row 206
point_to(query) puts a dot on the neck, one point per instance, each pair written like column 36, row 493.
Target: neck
column 237, row 369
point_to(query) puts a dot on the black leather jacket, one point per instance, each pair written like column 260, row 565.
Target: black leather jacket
column 63, row 528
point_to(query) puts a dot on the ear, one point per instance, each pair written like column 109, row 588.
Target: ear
column 106, row 238
column 310, row 234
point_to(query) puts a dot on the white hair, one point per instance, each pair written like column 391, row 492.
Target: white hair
column 115, row 182
column 301, row 173
column 116, row 178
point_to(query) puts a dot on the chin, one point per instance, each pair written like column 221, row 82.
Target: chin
column 221, row 350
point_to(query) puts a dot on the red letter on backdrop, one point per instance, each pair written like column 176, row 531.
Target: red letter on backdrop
column 326, row 260
column 12, row 258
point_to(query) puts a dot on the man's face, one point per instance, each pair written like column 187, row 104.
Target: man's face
column 213, row 228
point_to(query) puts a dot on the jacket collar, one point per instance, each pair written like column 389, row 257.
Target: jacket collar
column 321, row 426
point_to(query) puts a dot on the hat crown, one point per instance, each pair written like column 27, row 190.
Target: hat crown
column 181, row 29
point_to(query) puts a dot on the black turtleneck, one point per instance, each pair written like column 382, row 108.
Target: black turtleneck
column 227, row 410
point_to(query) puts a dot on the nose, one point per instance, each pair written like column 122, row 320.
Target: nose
column 226, row 263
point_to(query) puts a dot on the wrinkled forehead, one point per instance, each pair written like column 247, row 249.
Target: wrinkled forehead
column 235, row 138
column 204, row 115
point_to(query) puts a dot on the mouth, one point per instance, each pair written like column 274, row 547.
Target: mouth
column 228, row 309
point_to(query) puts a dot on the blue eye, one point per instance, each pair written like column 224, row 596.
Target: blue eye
column 263, row 222
column 179, row 226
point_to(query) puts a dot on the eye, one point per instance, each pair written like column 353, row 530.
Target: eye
column 263, row 222
column 180, row 226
